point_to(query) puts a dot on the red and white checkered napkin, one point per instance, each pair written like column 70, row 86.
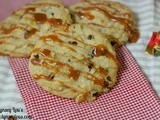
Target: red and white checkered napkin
column 131, row 98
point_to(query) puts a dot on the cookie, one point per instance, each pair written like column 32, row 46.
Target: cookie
column 76, row 64
column 21, row 31
column 110, row 18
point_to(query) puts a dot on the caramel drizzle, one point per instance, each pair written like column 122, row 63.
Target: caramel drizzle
column 8, row 30
column 75, row 39
column 37, row 77
column 55, row 38
column 133, row 33
column 45, row 52
column 100, row 50
column 41, row 18
column 74, row 74
column 2, row 54
column 103, row 72
column 55, row 22
column 96, row 80
column 87, row 15
column 36, row 61
column 27, row 35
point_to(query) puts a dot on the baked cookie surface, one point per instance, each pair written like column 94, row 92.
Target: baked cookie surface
column 108, row 17
column 15, row 40
column 76, row 64
column 20, row 31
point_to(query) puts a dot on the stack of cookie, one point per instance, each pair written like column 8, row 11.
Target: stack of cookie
column 72, row 58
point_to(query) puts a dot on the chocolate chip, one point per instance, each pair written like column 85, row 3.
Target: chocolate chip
column 51, row 76
column 73, row 42
column 69, row 60
column 106, row 84
column 90, row 66
column 108, row 78
column 96, row 94
column 113, row 43
column 73, row 19
column 52, row 14
column 36, row 56
column 90, row 37
column 94, row 51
